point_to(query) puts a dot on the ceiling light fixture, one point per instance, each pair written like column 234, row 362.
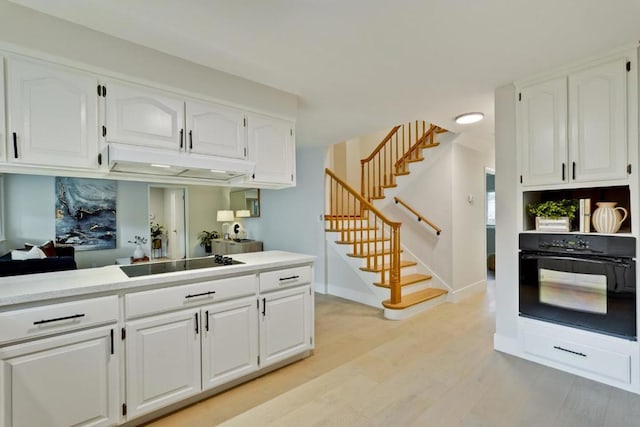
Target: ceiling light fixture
column 467, row 118
column 155, row 165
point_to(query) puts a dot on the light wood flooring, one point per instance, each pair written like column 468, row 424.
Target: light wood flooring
column 435, row 369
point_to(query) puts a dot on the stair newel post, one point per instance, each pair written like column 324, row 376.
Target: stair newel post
column 332, row 219
column 394, row 273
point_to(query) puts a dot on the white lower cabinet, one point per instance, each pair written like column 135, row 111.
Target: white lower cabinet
column 229, row 341
column 173, row 356
column 71, row 379
column 604, row 358
column 285, row 324
column 163, row 360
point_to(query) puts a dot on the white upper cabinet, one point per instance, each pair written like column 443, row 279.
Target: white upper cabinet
column 272, row 147
column 144, row 117
column 52, row 114
column 575, row 128
column 598, row 117
column 542, row 115
column 140, row 116
column 216, row 130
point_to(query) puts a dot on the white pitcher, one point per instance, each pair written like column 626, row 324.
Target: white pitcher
column 607, row 217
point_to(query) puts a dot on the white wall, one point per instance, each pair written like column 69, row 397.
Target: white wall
column 291, row 218
column 428, row 189
column 469, row 230
column 34, row 30
column 506, row 219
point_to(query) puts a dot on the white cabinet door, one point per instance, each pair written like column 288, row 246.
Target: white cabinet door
column 598, row 117
column 542, row 118
column 52, row 115
column 163, row 360
column 216, row 130
column 285, row 324
column 140, row 116
column 271, row 146
column 229, row 341
column 68, row 380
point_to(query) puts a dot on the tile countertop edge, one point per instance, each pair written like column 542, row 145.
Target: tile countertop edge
column 15, row 290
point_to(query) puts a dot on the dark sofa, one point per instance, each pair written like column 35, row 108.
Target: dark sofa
column 64, row 259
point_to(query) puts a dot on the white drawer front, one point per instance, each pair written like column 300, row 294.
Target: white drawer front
column 53, row 318
column 183, row 296
column 285, row 278
column 616, row 366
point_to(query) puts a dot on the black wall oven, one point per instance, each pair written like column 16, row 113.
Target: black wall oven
column 583, row 281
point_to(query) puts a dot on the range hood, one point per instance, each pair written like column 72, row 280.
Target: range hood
column 148, row 161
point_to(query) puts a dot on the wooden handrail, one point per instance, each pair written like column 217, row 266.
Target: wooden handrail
column 361, row 199
column 380, row 146
column 367, row 229
column 420, row 217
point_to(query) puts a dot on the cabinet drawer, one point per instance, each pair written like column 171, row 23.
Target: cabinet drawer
column 284, row 278
column 48, row 319
column 183, row 296
column 616, row 366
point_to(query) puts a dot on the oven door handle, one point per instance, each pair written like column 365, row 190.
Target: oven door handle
column 615, row 261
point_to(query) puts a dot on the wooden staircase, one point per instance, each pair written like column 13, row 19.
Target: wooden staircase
column 371, row 235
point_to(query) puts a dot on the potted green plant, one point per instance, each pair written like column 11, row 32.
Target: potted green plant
column 205, row 239
column 156, row 231
column 554, row 215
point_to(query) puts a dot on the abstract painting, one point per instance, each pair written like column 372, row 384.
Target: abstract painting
column 86, row 213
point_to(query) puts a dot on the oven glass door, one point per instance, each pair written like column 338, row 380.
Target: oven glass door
column 588, row 292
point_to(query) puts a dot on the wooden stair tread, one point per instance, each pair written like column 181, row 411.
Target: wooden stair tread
column 417, row 159
column 407, row 280
column 364, row 242
column 435, row 144
column 402, row 173
column 380, row 268
column 390, row 186
column 347, row 229
column 329, row 217
column 415, row 298
column 371, row 254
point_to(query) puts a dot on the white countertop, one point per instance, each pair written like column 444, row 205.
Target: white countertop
column 111, row 279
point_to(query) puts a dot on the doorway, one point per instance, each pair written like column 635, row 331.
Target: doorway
column 167, row 215
column 490, row 193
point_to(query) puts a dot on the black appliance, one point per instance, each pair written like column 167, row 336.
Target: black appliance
column 146, row 269
column 583, row 281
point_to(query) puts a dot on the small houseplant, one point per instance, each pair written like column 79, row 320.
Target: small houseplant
column 554, row 215
column 205, row 239
column 156, row 230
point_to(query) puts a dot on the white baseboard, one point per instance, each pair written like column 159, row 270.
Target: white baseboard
column 505, row 344
column 467, row 291
column 319, row 288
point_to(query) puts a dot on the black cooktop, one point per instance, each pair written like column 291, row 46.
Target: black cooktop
column 147, row 269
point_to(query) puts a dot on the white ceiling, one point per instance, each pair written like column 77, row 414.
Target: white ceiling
column 360, row 66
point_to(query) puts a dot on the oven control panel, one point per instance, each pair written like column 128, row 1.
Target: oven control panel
column 578, row 243
column 594, row 245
